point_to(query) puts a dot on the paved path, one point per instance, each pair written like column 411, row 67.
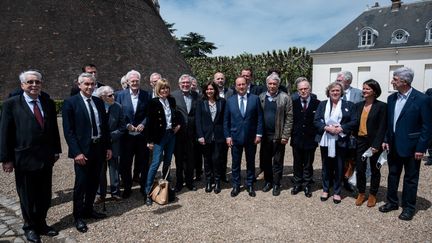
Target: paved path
column 11, row 224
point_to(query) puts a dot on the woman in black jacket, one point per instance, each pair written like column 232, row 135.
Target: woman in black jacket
column 372, row 117
column 163, row 123
column 209, row 129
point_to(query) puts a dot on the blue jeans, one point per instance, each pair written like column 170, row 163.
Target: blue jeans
column 113, row 165
column 166, row 148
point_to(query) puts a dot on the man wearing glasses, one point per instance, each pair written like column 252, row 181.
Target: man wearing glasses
column 30, row 145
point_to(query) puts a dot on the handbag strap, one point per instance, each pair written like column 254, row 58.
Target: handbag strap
column 169, row 170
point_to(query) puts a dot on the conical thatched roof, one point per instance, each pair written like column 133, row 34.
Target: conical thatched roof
column 58, row 36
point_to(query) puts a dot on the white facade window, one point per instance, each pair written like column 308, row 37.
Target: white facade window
column 367, row 37
column 399, row 36
column 429, row 31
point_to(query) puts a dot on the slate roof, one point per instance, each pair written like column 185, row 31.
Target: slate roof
column 411, row 17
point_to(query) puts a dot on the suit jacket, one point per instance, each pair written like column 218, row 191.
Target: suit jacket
column 116, row 126
column 243, row 130
column 356, row 96
column 131, row 117
column 24, row 142
column 283, row 118
column 77, row 126
column 157, row 120
column 376, row 123
column 205, row 127
column 348, row 121
column 188, row 117
column 228, row 92
column 413, row 126
column 303, row 129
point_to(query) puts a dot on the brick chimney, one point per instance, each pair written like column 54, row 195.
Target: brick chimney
column 396, row 4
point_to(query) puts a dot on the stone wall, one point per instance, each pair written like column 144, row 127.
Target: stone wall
column 58, row 37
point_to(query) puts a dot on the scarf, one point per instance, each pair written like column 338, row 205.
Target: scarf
column 332, row 117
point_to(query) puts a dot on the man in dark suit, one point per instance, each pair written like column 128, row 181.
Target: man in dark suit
column 409, row 131
column 87, row 68
column 224, row 92
column 243, row 129
column 30, row 144
column 85, row 126
column 429, row 159
column 134, row 101
column 185, row 147
column 303, row 137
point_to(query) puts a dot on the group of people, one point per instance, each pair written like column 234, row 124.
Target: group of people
column 130, row 132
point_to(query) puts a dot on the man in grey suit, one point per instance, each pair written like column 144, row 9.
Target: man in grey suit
column 353, row 95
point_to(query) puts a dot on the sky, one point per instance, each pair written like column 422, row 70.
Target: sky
column 258, row 26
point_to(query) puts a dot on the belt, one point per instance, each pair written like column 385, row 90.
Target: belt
column 96, row 140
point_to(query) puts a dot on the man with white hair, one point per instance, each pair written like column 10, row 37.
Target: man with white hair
column 409, row 131
column 30, row 145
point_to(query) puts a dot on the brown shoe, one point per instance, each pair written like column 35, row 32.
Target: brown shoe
column 371, row 201
column 360, row 199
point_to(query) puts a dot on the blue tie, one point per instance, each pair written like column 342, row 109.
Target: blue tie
column 242, row 106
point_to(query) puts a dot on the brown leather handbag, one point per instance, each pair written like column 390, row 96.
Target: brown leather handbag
column 159, row 193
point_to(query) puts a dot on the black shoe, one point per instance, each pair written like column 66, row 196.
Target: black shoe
column 267, row 187
column 178, row 188
column 295, row 190
column 94, row 215
column 276, row 190
column 80, row 225
column 387, row 208
column 32, row 236
column 406, row 215
column 149, row 201
column 429, row 162
column 251, row 191
column 217, row 187
column 191, row 187
column 307, row 191
column 48, row 231
column 209, row 187
column 235, row 191
column 126, row 193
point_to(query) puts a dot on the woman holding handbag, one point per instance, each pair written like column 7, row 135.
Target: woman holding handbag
column 209, row 130
column 372, row 117
column 335, row 119
column 162, row 125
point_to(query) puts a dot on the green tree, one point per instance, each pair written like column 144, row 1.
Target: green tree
column 170, row 27
column 194, row 45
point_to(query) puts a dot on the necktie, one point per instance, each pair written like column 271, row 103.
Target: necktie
column 242, row 106
column 38, row 114
column 93, row 119
column 304, row 105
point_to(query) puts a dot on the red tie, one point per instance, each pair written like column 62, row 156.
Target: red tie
column 37, row 113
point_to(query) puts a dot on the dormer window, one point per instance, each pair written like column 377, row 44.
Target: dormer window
column 399, row 36
column 367, row 37
column 428, row 32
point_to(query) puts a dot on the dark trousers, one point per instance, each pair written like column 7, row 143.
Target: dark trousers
column 236, row 153
column 410, row 180
column 361, row 166
column 34, row 191
column 212, row 161
column 332, row 169
column 272, row 158
column 198, row 160
column 184, row 156
column 223, row 160
column 87, row 181
column 303, row 165
column 134, row 146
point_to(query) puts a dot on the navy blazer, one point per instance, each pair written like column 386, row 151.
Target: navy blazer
column 414, row 124
column 77, row 125
column 303, row 131
column 348, row 121
column 205, row 127
column 243, row 130
column 23, row 141
column 140, row 116
column 376, row 123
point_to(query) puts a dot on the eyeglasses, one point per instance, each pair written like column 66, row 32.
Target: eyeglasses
column 31, row 82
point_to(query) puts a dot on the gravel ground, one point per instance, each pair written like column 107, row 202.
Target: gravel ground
column 199, row 216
